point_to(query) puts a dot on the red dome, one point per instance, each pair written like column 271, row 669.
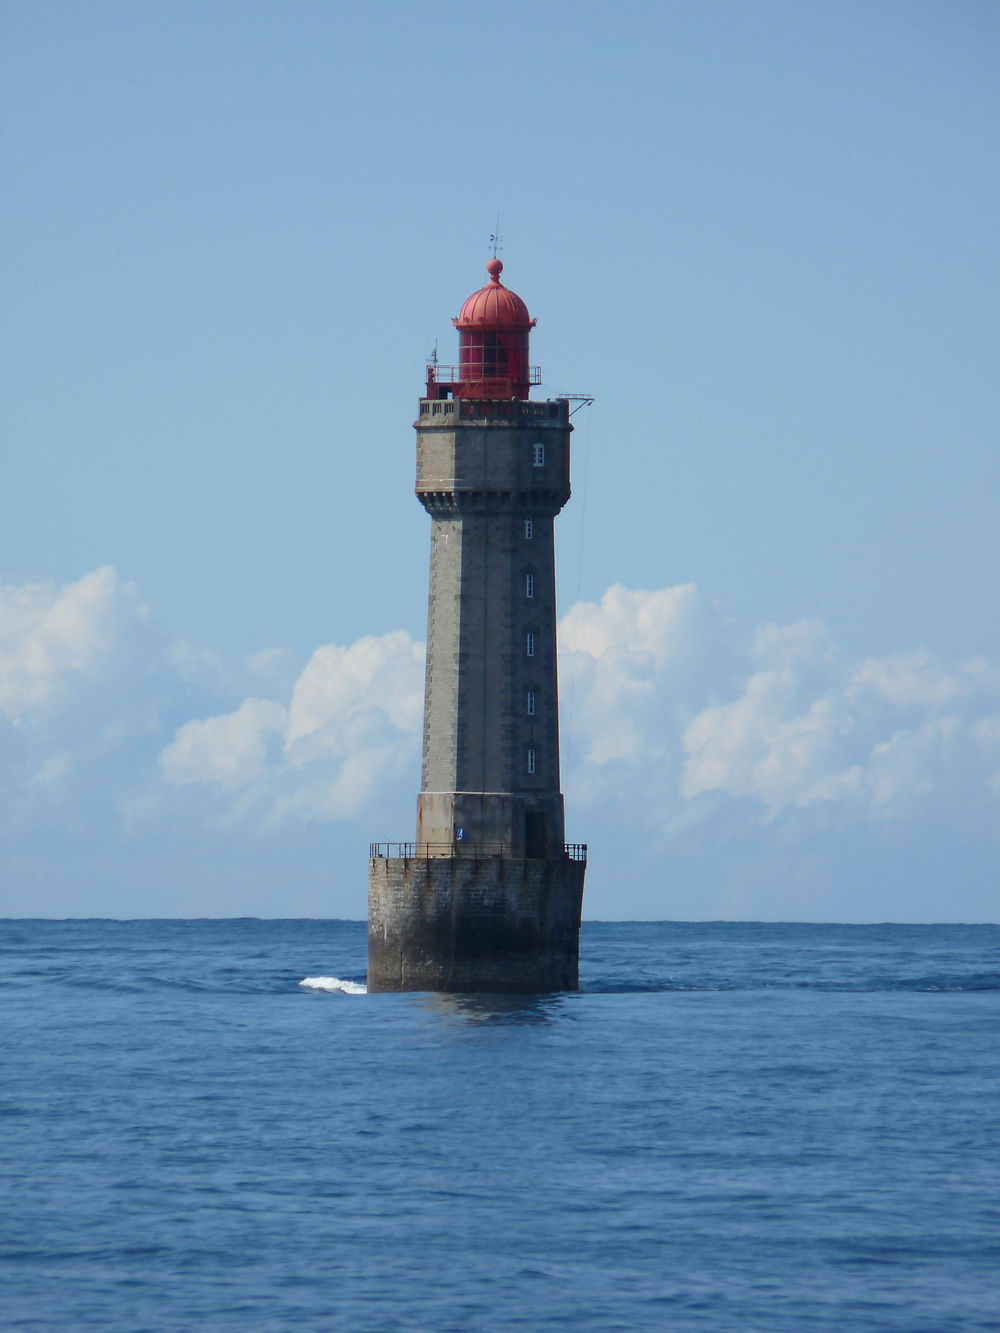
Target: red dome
column 494, row 306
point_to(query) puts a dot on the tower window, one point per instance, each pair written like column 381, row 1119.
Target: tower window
column 529, row 585
column 529, row 644
column 539, row 455
column 529, row 529
column 531, row 761
column 531, row 703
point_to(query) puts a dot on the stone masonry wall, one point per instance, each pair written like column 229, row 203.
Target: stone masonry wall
column 491, row 723
column 461, row 924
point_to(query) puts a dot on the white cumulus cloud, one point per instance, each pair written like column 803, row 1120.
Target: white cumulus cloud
column 350, row 724
column 57, row 643
column 375, row 685
column 669, row 706
column 622, row 660
column 682, row 736
column 230, row 749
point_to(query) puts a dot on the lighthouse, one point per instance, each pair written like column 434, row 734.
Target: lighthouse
column 487, row 896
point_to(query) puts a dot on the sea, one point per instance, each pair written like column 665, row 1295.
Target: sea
column 209, row 1125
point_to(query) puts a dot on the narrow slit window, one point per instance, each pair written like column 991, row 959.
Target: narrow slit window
column 531, row 761
column 531, row 703
column 529, row 643
column 529, row 529
column 539, row 455
column 529, row 585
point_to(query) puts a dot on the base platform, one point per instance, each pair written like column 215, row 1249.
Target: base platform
column 500, row 924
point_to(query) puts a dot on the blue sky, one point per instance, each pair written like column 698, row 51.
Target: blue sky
column 763, row 236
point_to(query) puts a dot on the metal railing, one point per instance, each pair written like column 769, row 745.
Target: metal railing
column 517, row 409
column 483, row 851
column 477, row 372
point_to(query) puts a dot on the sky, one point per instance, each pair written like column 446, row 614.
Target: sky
column 761, row 235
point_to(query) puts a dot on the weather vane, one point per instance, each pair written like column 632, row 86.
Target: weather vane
column 495, row 239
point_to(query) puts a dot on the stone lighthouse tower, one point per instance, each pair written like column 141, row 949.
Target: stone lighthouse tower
column 488, row 895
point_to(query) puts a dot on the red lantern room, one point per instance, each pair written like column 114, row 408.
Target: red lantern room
column 493, row 327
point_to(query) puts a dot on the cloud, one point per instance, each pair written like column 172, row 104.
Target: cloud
column 915, row 680
column 621, row 661
column 351, row 725
column 56, row 644
column 781, row 741
column 685, row 741
column 760, row 746
column 657, row 628
column 107, row 721
column 377, row 682
column 80, row 692
column 783, row 725
column 230, row 750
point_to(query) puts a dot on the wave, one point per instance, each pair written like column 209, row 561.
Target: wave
column 861, row 985
column 334, row 984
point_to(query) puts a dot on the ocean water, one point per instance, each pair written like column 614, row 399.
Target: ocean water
column 729, row 1127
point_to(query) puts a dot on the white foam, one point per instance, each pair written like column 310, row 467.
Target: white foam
column 334, row 984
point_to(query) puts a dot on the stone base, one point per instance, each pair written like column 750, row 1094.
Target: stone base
column 459, row 924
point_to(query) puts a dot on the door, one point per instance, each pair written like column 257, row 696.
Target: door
column 534, row 833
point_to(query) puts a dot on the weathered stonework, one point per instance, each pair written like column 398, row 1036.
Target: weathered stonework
column 492, row 476
column 488, row 895
column 461, row 924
